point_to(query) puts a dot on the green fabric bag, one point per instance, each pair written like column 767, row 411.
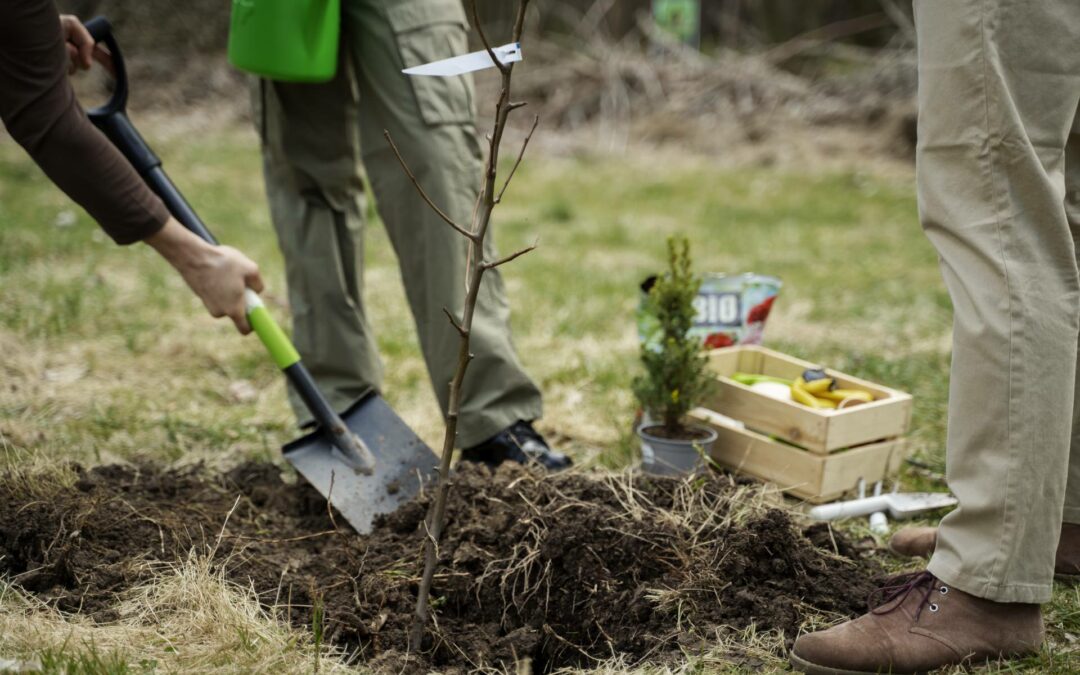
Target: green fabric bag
column 288, row 40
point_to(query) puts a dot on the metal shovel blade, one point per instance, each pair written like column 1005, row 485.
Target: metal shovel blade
column 404, row 464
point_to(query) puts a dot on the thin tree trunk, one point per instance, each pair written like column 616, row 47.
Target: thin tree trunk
column 476, row 233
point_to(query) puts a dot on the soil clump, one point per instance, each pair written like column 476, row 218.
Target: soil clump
column 562, row 569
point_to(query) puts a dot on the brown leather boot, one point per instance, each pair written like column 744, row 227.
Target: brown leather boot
column 914, row 541
column 920, row 541
column 922, row 624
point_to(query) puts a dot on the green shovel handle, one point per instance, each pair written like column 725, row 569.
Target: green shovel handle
column 276, row 341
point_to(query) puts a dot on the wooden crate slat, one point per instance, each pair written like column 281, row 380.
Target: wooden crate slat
column 815, row 478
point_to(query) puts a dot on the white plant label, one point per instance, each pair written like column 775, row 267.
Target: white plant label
column 467, row 63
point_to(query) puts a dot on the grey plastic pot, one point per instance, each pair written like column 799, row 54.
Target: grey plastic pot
column 673, row 457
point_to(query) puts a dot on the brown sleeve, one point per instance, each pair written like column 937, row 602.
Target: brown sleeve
column 40, row 111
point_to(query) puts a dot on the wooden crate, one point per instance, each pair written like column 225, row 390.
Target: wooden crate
column 816, row 478
column 819, row 431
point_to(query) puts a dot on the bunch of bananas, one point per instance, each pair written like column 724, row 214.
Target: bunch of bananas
column 815, row 389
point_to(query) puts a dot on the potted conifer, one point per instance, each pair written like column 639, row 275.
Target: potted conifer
column 675, row 378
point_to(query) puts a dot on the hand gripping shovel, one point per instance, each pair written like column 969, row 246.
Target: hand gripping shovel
column 366, row 461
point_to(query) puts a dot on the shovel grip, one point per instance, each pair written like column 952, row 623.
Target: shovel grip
column 101, row 31
column 273, row 338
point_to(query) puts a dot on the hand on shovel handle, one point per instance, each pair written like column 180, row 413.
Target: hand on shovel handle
column 219, row 275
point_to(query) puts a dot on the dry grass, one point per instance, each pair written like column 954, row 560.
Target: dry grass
column 187, row 618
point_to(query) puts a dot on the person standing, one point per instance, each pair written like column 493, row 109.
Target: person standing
column 314, row 139
column 998, row 173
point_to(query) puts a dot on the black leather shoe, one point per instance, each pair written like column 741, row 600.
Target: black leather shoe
column 517, row 443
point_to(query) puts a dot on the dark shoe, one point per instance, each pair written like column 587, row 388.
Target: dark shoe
column 920, row 542
column 921, row 624
column 517, row 443
column 1067, row 558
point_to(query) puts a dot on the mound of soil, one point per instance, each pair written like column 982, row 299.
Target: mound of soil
column 559, row 569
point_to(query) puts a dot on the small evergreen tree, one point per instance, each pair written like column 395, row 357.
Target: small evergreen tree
column 675, row 376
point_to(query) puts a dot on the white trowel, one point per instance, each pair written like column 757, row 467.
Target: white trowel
column 900, row 505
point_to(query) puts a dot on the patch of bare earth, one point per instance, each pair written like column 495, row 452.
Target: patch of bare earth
column 561, row 571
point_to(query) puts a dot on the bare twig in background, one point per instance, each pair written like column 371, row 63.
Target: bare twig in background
column 621, row 81
column 828, row 33
column 590, row 21
column 899, row 17
column 476, row 233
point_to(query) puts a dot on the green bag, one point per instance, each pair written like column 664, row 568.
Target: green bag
column 289, row 40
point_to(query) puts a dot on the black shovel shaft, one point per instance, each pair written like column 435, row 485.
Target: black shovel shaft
column 123, row 134
column 111, row 118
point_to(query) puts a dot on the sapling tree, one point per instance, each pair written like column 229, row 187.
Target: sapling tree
column 675, row 376
column 475, row 231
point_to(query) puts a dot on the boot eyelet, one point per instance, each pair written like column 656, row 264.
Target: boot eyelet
column 943, row 590
column 934, row 607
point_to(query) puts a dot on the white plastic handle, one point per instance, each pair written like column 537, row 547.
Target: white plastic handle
column 849, row 509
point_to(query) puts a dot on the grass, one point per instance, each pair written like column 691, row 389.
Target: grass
column 107, row 357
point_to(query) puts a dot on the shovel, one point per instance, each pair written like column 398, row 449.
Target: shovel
column 366, row 461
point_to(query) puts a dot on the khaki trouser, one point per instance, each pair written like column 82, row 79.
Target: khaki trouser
column 998, row 166
column 314, row 138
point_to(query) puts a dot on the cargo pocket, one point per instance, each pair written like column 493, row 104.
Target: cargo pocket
column 426, row 31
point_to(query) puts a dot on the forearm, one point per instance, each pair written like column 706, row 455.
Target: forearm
column 182, row 249
column 39, row 109
column 95, row 175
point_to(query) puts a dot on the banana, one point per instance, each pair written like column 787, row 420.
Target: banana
column 844, row 394
column 799, row 394
column 826, row 402
column 819, row 387
column 816, row 381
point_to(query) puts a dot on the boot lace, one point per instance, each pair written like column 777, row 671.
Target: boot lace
column 899, row 588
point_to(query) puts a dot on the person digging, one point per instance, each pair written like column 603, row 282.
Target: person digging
column 38, row 49
column 998, row 174
column 315, row 137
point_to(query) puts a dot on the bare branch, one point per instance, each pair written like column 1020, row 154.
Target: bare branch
column 515, row 105
column 519, row 23
column 476, row 209
column 503, row 68
column 521, row 153
column 454, row 322
column 408, row 172
column 513, row 256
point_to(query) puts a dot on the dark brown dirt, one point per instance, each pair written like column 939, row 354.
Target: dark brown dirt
column 555, row 569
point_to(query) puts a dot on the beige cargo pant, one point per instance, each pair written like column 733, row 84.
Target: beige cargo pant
column 314, row 138
column 998, row 168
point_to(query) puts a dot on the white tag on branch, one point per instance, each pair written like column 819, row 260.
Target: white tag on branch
column 467, row 63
